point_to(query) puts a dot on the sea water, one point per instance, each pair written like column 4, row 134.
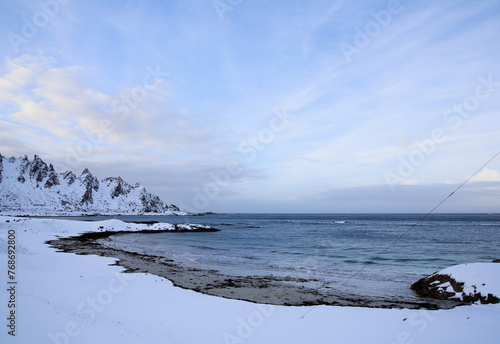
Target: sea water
column 371, row 254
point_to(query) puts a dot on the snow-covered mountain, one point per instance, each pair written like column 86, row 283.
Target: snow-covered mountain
column 35, row 188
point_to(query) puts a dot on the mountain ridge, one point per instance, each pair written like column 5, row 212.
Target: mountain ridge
column 33, row 187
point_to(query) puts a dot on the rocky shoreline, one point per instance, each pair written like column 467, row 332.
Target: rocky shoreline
column 444, row 287
column 273, row 290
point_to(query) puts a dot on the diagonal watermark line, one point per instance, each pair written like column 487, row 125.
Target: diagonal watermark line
column 405, row 233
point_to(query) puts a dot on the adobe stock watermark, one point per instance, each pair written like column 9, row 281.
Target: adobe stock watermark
column 223, row 6
column 419, row 321
column 249, row 150
column 365, row 35
column 122, row 107
column 91, row 306
column 483, row 91
column 454, row 115
column 31, row 26
column 419, row 153
column 246, row 326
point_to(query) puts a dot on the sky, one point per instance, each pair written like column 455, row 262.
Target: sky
column 262, row 106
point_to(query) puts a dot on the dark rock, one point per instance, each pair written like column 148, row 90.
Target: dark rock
column 496, row 261
column 69, row 177
column 24, row 166
column 151, row 203
column 53, row 178
column 1, row 167
column 195, row 228
column 38, row 169
column 430, row 287
column 89, row 180
column 120, row 188
column 117, row 191
column 173, row 207
column 91, row 183
column 87, row 197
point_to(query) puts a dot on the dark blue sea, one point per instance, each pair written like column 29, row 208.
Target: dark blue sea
column 374, row 254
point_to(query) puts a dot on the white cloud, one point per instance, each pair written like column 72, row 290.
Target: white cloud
column 19, row 73
column 410, row 182
column 67, row 114
column 488, row 175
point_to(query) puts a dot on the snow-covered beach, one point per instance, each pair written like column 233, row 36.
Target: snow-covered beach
column 286, row 290
column 68, row 298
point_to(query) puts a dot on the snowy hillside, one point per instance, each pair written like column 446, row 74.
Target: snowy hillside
column 35, row 188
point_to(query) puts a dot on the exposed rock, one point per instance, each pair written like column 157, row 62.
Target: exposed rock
column 173, row 207
column 30, row 187
column 496, row 261
column 432, row 286
column 444, row 287
column 149, row 202
column 87, row 197
column 69, row 177
column 53, row 178
column 89, row 180
column 23, row 167
column 38, row 170
column 118, row 186
column 189, row 227
column 90, row 183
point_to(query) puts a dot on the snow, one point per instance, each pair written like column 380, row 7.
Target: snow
column 67, row 298
column 34, row 188
column 478, row 278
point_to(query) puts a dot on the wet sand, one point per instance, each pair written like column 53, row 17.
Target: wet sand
column 273, row 290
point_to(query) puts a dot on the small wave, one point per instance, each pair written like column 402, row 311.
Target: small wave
column 209, row 248
column 355, row 261
column 250, row 257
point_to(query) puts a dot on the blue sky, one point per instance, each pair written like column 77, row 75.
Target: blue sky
column 261, row 106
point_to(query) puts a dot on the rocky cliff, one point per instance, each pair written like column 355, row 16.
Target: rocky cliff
column 31, row 187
